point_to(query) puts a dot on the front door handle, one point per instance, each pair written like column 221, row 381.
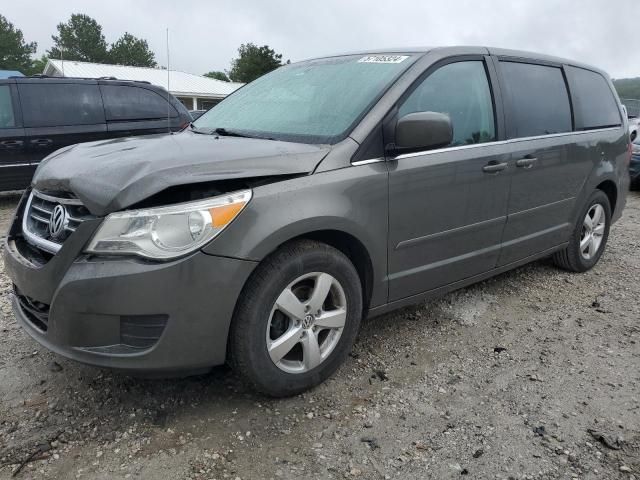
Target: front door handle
column 41, row 142
column 494, row 167
column 526, row 162
column 11, row 144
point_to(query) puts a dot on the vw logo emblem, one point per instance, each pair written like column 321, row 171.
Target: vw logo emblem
column 59, row 220
column 307, row 321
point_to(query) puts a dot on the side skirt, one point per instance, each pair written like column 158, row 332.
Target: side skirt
column 440, row 291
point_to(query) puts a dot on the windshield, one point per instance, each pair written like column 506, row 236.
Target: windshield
column 317, row 101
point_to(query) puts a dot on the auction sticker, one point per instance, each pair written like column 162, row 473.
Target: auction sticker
column 383, row 59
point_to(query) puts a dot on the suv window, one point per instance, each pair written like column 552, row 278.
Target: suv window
column 123, row 102
column 53, row 105
column 596, row 107
column 538, row 98
column 460, row 90
column 7, row 120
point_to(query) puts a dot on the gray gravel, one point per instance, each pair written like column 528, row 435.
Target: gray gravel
column 534, row 374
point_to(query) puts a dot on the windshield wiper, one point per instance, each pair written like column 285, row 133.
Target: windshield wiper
column 195, row 129
column 230, row 133
column 224, row 132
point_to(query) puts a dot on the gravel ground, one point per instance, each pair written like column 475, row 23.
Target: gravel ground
column 534, row 374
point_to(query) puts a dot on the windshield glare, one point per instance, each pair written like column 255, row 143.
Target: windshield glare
column 317, row 101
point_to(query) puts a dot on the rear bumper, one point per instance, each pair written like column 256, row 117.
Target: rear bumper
column 128, row 314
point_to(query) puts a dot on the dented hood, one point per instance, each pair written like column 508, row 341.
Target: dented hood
column 111, row 175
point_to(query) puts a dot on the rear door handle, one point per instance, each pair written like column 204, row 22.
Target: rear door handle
column 494, row 167
column 526, row 162
column 41, row 142
column 11, row 144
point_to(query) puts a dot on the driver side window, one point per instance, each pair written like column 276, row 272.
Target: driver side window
column 461, row 91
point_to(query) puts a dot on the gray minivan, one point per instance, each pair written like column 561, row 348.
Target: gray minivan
column 326, row 191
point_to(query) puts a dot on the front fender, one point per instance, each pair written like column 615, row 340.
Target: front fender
column 353, row 200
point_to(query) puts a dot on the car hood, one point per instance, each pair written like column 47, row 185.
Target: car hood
column 112, row 175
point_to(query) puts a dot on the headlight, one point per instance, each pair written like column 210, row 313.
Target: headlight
column 167, row 232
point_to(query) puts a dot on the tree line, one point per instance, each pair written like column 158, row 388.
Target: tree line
column 81, row 39
column 628, row 87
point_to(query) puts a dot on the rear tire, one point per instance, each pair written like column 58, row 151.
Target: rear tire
column 589, row 237
column 296, row 319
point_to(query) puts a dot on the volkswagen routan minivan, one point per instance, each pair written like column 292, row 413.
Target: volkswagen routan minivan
column 323, row 192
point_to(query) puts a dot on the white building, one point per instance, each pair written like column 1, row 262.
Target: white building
column 194, row 91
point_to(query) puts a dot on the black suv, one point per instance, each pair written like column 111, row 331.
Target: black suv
column 39, row 115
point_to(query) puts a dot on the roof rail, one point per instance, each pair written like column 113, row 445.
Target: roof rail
column 42, row 75
column 123, row 80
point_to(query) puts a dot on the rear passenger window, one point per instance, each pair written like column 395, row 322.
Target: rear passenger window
column 7, row 120
column 538, row 98
column 460, row 90
column 595, row 105
column 133, row 103
column 53, row 105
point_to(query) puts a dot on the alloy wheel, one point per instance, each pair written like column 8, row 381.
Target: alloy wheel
column 593, row 228
column 306, row 322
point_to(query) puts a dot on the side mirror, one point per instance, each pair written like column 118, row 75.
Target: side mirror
column 634, row 134
column 423, row 130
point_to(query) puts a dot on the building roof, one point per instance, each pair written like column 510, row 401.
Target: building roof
column 10, row 73
column 180, row 83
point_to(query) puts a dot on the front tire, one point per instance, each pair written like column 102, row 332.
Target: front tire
column 296, row 319
column 589, row 237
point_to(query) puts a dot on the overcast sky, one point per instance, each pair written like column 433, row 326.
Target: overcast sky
column 205, row 34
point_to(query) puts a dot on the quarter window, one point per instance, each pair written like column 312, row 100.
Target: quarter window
column 596, row 107
column 7, row 120
column 122, row 102
column 538, row 99
column 460, row 90
column 53, row 105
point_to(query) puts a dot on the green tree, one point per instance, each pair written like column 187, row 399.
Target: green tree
column 129, row 50
column 628, row 87
column 253, row 62
column 37, row 65
column 79, row 39
column 15, row 53
column 217, row 75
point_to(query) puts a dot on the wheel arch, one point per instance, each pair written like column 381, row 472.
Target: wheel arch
column 352, row 248
column 610, row 189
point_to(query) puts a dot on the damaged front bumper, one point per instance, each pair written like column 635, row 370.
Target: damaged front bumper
column 125, row 313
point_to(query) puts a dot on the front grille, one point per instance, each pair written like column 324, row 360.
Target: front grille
column 39, row 214
column 36, row 312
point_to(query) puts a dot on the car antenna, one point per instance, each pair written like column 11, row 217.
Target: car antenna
column 168, row 80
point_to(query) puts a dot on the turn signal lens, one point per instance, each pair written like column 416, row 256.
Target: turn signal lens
column 224, row 214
